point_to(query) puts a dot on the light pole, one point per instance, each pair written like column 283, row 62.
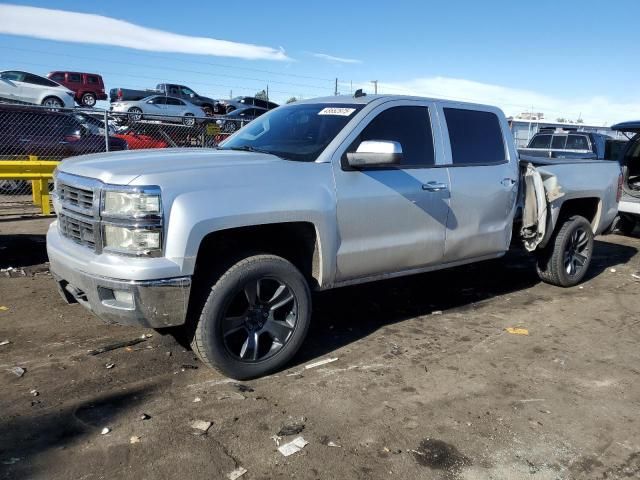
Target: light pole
column 375, row 86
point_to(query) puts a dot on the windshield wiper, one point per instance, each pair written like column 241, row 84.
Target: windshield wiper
column 247, row 148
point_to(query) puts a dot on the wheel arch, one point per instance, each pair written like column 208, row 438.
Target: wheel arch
column 587, row 207
column 297, row 242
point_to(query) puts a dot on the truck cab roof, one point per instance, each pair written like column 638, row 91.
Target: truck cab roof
column 367, row 99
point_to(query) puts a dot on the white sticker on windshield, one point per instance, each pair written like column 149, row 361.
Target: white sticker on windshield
column 343, row 112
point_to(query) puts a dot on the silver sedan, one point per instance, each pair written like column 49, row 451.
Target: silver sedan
column 160, row 107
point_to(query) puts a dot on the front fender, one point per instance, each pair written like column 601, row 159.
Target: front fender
column 194, row 215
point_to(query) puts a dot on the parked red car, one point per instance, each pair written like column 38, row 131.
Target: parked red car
column 88, row 87
column 138, row 141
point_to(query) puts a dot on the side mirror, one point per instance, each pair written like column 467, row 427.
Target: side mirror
column 192, row 95
column 375, row 153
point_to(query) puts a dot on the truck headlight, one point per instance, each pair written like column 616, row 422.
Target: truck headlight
column 133, row 204
column 132, row 240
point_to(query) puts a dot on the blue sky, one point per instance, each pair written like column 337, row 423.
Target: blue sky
column 566, row 58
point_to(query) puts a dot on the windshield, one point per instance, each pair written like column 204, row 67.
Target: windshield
column 294, row 132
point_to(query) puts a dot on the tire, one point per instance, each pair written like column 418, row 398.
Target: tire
column 230, row 108
column 88, row 99
column 228, row 317
column 135, row 114
column 626, row 225
column 189, row 120
column 53, row 102
column 229, row 127
column 566, row 259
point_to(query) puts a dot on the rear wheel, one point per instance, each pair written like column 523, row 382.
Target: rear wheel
column 88, row 99
column 135, row 114
column 189, row 120
column 565, row 261
column 255, row 318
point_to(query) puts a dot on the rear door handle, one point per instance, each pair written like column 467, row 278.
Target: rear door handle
column 434, row 187
column 508, row 182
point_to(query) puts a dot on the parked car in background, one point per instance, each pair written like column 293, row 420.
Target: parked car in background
column 207, row 104
column 629, row 208
column 88, row 87
column 23, row 87
column 243, row 102
column 140, row 141
column 560, row 143
column 238, row 118
column 94, row 125
column 47, row 133
column 160, row 107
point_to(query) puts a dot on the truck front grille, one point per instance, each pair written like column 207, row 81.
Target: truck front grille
column 78, row 204
column 80, row 231
column 74, row 196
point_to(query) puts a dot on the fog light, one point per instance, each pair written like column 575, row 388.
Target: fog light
column 123, row 297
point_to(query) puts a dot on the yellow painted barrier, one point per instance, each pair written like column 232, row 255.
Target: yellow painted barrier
column 36, row 170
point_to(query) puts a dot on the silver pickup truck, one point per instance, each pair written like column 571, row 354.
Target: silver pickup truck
column 228, row 243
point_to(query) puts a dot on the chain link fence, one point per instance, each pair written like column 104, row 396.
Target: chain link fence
column 39, row 133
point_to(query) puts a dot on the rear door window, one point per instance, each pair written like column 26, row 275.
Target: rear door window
column 75, row 78
column 36, row 80
column 475, row 136
column 577, row 142
column 410, row 127
column 559, row 142
column 540, row 141
column 158, row 101
column 174, row 101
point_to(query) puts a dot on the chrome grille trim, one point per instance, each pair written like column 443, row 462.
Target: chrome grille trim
column 80, row 231
column 79, row 204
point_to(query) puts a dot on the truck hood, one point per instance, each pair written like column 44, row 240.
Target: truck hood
column 122, row 168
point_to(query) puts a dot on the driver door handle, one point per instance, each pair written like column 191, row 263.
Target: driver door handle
column 434, row 187
column 508, row 182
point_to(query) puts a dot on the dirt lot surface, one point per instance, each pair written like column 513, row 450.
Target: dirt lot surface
column 427, row 384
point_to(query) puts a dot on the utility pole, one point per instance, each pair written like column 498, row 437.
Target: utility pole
column 230, row 94
column 335, row 89
column 267, row 92
column 375, row 86
column 351, row 86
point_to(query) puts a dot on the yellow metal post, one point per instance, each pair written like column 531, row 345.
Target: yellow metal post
column 44, row 196
column 38, row 171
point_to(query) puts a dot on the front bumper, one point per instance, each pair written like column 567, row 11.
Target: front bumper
column 153, row 303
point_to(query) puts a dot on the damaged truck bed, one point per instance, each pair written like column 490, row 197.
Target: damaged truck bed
column 554, row 187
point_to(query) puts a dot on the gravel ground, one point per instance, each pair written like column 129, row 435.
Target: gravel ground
column 428, row 383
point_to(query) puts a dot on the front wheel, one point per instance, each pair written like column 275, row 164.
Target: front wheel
column 566, row 259
column 255, row 318
column 52, row 102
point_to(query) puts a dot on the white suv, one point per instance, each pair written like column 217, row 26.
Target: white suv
column 24, row 87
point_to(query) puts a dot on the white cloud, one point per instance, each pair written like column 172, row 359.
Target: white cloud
column 596, row 109
column 332, row 58
column 76, row 27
